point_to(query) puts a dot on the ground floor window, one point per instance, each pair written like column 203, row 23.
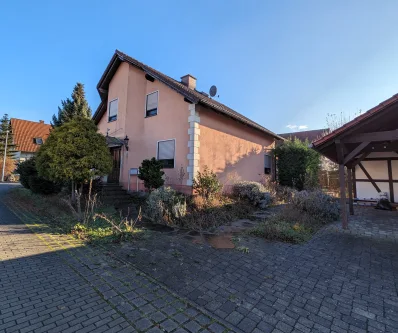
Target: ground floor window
column 166, row 153
column 267, row 164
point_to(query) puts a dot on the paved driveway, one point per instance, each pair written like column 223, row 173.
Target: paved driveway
column 338, row 282
column 52, row 283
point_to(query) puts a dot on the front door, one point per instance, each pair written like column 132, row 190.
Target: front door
column 113, row 177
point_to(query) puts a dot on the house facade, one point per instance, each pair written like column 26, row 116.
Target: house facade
column 28, row 137
column 180, row 126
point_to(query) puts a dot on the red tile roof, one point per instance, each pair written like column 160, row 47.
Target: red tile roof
column 191, row 95
column 24, row 131
column 306, row 135
column 382, row 106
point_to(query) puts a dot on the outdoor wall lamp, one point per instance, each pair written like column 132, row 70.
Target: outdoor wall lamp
column 126, row 142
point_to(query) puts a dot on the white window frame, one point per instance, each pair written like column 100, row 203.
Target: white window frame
column 146, row 100
column 109, row 109
column 175, row 149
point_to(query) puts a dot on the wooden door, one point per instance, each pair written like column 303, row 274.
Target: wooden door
column 113, row 177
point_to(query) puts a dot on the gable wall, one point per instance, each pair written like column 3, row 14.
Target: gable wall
column 233, row 150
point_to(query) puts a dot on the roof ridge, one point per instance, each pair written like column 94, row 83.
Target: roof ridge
column 191, row 94
column 30, row 121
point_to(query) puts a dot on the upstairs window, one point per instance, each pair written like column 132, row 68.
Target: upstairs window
column 38, row 141
column 166, row 151
column 267, row 164
column 113, row 105
column 151, row 108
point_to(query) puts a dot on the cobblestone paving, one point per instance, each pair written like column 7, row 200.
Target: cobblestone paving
column 52, row 283
column 341, row 281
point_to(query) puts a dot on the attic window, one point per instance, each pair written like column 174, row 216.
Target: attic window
column 113, row 106
column 152, row 104
column 38, row 141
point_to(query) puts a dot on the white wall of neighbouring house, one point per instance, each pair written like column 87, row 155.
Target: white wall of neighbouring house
column 378, row 170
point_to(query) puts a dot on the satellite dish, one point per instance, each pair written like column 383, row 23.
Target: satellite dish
column 213, row 91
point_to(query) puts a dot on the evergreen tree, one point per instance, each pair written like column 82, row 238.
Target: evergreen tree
column 74, row 152
column 5, row 126
column 76, row 106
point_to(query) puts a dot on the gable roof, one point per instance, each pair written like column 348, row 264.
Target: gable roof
column 357, row 122
column 191, row 95
column 24, row 131
column 306, row 135
column 383, row 117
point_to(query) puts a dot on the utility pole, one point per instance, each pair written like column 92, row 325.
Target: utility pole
column 4, row 158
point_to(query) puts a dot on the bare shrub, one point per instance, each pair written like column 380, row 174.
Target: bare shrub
column 206, row 183
column 165, row 205
column 254, row 192
column 317, row 204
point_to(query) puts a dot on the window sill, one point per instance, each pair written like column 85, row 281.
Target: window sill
column 154, row 115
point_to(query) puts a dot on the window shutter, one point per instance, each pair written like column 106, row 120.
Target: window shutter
column 152, row 101
column 166, row 150
column 113, row 108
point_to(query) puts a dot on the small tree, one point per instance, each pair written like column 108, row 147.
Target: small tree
column 5, row 126
column 151, row 173
column 206, row 183
column 297, row 164
column 76, row 106
column 74, row 152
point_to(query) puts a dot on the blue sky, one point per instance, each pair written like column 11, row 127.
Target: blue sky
column 278, row 62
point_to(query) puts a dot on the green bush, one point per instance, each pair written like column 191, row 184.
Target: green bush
column 25, row 170
column 43, row 186
column 151, row 173
column 297, row 164
column 30, row 179
column 255, row 192
column 206, row 183
column 165, row 205
column 318, row 204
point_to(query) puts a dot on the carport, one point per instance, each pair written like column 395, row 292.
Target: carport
column 366, row 151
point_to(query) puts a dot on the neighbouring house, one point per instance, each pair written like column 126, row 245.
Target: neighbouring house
column 184, row 128
column 28, row 137
column 311, row 135
column 366, row 149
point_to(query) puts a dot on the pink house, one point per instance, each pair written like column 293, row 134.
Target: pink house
column 172, row 121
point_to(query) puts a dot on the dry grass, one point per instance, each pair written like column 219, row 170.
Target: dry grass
column 205, row 214
column 289, row 225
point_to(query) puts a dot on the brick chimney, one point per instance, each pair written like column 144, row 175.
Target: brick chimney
column 189, row 81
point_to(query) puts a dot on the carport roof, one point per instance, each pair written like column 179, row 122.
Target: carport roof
column 381, row 118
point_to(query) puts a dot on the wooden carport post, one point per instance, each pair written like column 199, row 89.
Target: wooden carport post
column 349, row 184
column 343, row 199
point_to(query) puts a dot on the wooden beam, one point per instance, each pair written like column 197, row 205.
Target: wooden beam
column 361, row 180
column 384, row 147
column 355, row 151
column 372, row 137
column 390, row 180
column 359, row 160
column 369, row 177
column 354, row 182
column 349, row 183
column 343, row 200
